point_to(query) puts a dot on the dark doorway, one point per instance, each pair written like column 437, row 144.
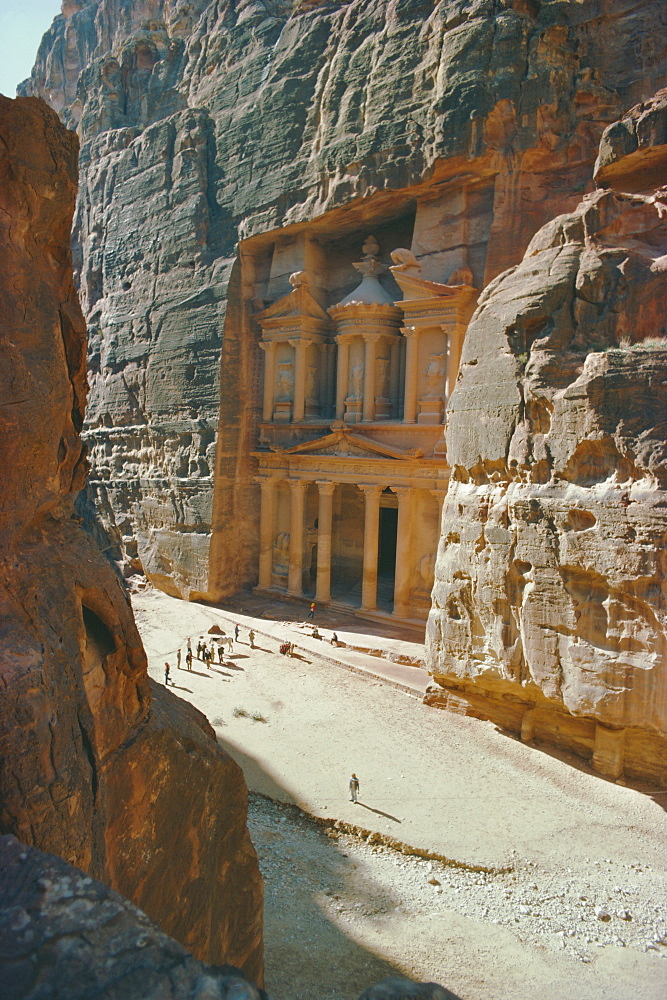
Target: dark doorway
column 387, row 557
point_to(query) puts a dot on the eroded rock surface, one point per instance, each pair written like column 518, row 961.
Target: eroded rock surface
column 127, row 783
column 207, row 123
column 550, row 603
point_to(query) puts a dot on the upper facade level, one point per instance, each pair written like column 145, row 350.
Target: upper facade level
column 368, row 359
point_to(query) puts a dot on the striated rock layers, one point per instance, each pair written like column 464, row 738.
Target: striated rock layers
column 125, row 782
column 550, row 600
column 213, row 133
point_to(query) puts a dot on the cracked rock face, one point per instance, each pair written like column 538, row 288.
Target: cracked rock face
column 550, row 601
column 203, row 124
column 94, row 764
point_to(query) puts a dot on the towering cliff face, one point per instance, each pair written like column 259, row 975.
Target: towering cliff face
column 550, row 601
column 94, row 764
column 208, row 123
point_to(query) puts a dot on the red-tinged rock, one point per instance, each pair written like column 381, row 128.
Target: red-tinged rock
column 127, row 785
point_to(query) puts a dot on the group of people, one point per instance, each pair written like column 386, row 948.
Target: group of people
column 207, row 652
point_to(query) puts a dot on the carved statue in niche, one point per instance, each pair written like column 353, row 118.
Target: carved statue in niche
column 285, row 380
column 281, row 552
column 311, row 382
column 434, row 376
column 357, row 380
column 382, row 377
column 427, row 572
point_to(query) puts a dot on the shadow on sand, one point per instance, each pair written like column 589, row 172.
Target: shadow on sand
column 307, row 877
column 378, row 812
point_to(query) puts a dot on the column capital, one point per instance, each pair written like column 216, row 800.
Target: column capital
column 438, row 494
column 268, row 345
column 299, row 484
column 345, row 338
column 266, row 480
column 403, row 492
column 325, row 486
column 409, row 331
column 370, row 490
column 371, row 336
column 298, row 342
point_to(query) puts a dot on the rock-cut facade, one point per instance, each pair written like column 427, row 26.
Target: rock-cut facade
column 256, row 419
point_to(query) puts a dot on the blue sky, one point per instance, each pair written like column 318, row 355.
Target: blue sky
column 22, row 24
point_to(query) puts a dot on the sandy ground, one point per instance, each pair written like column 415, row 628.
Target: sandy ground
column 572, row 904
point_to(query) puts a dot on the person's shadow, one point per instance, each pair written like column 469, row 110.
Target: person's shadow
column 378, row 812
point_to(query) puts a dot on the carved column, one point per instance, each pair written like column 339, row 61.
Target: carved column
column 411, row 359
column 267, row 500
column 324, row 523
column 394, row 375
column 369, row 581
column 342, row 376
column 298, row 489
column 300, row 348
column 370, row 353
column 403, row 576
column 269, row 348
column 330, row 357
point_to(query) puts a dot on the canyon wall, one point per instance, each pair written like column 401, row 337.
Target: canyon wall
column 550, row 602
column 117, row 777
column 210, row 128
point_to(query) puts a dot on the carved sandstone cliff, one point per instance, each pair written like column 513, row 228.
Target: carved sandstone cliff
column 126, row 782
column 550, row 601
column 209, row 123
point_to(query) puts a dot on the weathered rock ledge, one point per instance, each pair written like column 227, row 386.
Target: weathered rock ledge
column 550, row 600
column 126, row 782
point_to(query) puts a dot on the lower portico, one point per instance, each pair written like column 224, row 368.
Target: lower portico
column 344, row 518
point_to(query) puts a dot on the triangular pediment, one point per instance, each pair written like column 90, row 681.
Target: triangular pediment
column 298, row 303
column 344, row 443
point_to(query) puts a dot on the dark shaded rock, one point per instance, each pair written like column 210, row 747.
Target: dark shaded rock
column 94, row 766
column 65, row 936
column 397, row 988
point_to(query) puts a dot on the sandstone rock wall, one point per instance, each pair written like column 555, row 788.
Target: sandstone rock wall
column 206, row 124
column 125, row 782
column 550, row 601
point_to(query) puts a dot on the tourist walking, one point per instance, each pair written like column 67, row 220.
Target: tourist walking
column 167, row 668
column 178, row 659
column 188, row 659
column 220, row 654
column 311, row 613
column 199, row 650
column 189, row 645
column 251, row 638
column 236, row 633
column 354, row 788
